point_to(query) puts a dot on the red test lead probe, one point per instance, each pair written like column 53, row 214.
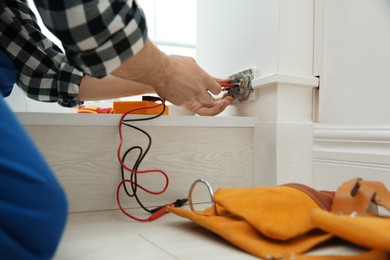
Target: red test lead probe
column 160, row 211
column 228, row 85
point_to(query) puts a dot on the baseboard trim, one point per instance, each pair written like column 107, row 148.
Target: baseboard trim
column 360, row 146
column 344, row 152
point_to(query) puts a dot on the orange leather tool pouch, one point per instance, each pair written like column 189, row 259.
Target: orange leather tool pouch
column 355, row 215
column 284, row 222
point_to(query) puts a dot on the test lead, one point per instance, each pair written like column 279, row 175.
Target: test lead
column 177, row 204
column 229, row 85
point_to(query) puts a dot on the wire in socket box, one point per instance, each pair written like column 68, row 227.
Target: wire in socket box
column 240, row 87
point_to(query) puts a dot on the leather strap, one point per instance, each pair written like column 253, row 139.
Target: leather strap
column 360, row 197
column 382, row 193
column 322, row 198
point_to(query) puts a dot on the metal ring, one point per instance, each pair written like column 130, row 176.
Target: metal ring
column 211, row 192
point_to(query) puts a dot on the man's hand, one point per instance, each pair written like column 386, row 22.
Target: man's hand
column 218, row 105
column 185, row 82
column 177, row 79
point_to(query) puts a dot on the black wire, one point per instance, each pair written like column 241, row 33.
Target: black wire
column 141, row 155
column 132, row 178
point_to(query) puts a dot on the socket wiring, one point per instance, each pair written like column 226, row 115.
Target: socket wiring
column 240, row 86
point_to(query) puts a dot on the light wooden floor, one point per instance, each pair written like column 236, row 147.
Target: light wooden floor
column 111, row 235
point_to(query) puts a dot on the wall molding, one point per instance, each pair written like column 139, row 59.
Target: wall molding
column 344, row 152
column 360, row 146
column 284, row 132
column 278, row 79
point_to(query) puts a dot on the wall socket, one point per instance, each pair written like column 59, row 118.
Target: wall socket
column 242, row 92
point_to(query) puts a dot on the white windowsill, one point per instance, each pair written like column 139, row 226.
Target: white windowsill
column 30, row 118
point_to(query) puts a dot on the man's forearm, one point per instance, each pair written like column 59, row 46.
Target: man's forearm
column 147, row 66
column 110, row 87
column 177, row 79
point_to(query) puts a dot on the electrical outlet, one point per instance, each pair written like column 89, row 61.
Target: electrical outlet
column 241, row 89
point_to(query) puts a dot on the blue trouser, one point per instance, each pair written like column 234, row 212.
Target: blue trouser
column 33, row 206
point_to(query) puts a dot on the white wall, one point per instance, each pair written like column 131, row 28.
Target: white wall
column 273, row 36
column 233, row 35
column 355, row 85
column 346, row 43
column 352, row 138
column 277, row 38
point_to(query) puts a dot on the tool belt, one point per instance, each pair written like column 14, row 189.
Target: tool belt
column 286, row 221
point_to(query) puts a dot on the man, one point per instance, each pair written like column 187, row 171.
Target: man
column 33, row 206
column 110, row 37
column 46, row 75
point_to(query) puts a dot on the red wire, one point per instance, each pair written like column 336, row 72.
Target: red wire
column 227, row 85
column 134, row 171
column 120, row 205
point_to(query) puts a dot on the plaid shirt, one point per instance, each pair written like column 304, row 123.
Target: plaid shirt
column 98, row 35
column 44, row 73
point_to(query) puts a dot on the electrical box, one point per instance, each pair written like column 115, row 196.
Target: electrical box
column 241, row 87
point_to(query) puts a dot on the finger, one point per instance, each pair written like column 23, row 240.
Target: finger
column 219, row 80
column 224, row 95
column 221, row 102
column 218, row 108
column 206, row 99
column 214, row 87
column 212, row 111
column 228, row 100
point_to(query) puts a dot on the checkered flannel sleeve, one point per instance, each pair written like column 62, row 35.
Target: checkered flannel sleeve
column 97, row 35
column 44, row 73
